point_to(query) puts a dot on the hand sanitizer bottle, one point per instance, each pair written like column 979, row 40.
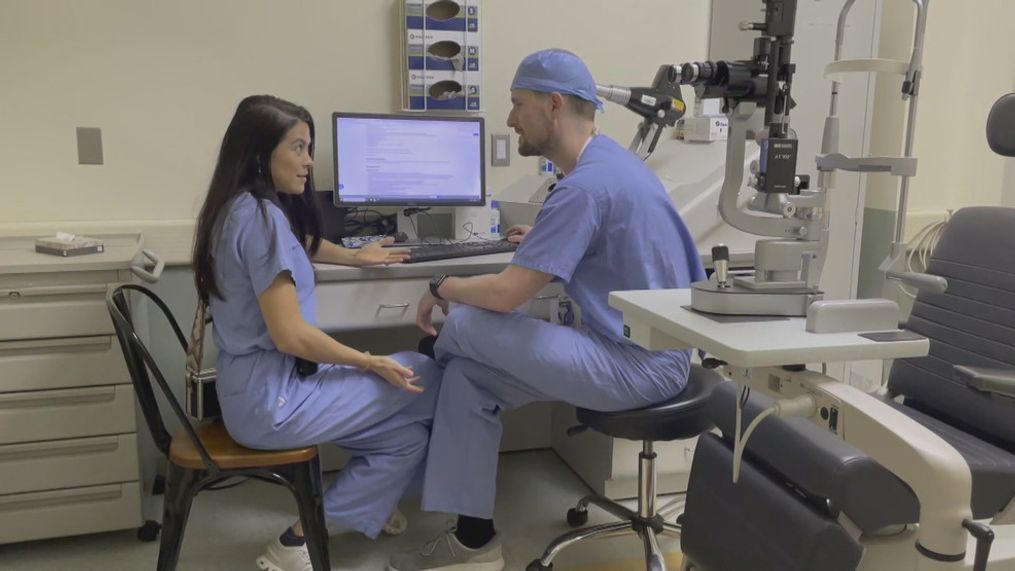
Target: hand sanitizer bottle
column 494, row 219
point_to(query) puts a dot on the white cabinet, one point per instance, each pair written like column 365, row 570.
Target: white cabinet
column 68, row 443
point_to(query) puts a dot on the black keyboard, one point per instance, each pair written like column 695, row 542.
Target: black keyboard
column 431, row 252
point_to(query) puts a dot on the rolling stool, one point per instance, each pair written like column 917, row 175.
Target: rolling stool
column 682, row 417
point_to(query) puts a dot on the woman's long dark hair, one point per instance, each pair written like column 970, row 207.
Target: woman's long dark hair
column 260, row 123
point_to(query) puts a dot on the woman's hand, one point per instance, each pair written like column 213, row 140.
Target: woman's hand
column 375, row 254
column 517, row 233
column 394, row 373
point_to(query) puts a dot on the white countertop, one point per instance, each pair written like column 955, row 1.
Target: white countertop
column 172, row 240
column 657, row 319
column 18, row 255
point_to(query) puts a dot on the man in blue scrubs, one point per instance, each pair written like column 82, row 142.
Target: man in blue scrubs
column 608, row 225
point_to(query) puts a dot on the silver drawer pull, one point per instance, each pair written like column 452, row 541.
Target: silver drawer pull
column 60, row 497
column 546, row 297
column 37, row 291
column 58, row 398
column 393, row 306
column 58, row 448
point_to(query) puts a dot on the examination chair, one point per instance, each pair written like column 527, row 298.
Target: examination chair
column 807, row 500
column 203, row 455
column 685, row 416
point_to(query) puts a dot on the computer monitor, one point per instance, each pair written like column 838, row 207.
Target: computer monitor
column 405, row 160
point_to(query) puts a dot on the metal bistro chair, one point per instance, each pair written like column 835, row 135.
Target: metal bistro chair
column 204, row 454
column 685, row 416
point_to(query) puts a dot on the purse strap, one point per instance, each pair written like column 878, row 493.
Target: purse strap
column 195, row 351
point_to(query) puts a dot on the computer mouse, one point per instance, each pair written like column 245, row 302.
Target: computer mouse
column 401, row 237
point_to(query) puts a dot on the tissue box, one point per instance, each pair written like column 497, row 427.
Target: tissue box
column 432, row 89
column 68, row 245
column 708, row 128
column 441, row 50
column 452, row 15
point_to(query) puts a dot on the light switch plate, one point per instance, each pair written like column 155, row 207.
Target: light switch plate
column 500, row 150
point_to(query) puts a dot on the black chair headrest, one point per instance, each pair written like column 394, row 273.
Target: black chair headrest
column 1001, row 126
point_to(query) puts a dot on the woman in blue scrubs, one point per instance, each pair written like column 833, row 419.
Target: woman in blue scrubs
column 282, row 382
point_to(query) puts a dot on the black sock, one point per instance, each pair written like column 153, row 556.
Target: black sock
column 473, row 532
column 290, row 539
column 426, row 346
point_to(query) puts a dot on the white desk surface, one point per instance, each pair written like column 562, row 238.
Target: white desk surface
column 658, row 320
column 471, row 265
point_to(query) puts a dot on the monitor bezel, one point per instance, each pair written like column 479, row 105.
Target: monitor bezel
column 339, row 202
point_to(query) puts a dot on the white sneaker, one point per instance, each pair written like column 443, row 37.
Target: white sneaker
column 446, row 553
column 278, row 557
column 396, row 524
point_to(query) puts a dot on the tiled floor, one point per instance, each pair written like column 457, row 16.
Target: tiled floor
column 228, row 528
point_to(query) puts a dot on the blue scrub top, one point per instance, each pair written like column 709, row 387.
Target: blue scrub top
column 254, row 247
column 607, row 226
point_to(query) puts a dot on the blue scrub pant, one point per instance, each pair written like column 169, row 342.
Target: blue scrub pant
column 495, row 362
column 383, row 428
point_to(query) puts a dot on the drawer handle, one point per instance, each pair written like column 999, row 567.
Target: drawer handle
column 156, row 272
column 58, row 448
column 393, row 306
column 39, row 291
column 546, row 297
column 57, row 398
column 60, row 497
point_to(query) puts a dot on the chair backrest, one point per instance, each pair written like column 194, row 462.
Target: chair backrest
column 1001, row 126
column 140, row 362
column 972, row 323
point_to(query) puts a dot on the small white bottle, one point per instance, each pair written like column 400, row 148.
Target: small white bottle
column 494, row 219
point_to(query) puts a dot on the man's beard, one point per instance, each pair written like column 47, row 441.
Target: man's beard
column 526, row 149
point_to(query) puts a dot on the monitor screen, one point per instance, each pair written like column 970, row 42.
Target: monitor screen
column 401, row 160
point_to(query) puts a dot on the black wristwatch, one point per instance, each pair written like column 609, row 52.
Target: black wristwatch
column 435, row 284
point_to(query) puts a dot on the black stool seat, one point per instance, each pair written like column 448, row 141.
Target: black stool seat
column 684, row 416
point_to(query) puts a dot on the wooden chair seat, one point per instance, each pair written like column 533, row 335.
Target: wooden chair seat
column 227, row 453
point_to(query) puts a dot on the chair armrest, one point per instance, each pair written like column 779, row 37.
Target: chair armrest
column 995, row 381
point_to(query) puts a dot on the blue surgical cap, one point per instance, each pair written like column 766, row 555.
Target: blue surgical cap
column 557, row 70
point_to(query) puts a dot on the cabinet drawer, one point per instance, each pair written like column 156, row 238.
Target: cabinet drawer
column 72, row 511
column 54, row 311
column 68, row 463
column 61, row 363
column 343, row 306
column 66, row 413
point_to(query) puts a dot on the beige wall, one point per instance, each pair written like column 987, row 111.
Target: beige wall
column 969, row 61
column 161, row 80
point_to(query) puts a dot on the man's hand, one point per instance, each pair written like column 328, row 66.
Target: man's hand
column 394, row 373
column 375, row 254
column 517, row 233
column 424, row 312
